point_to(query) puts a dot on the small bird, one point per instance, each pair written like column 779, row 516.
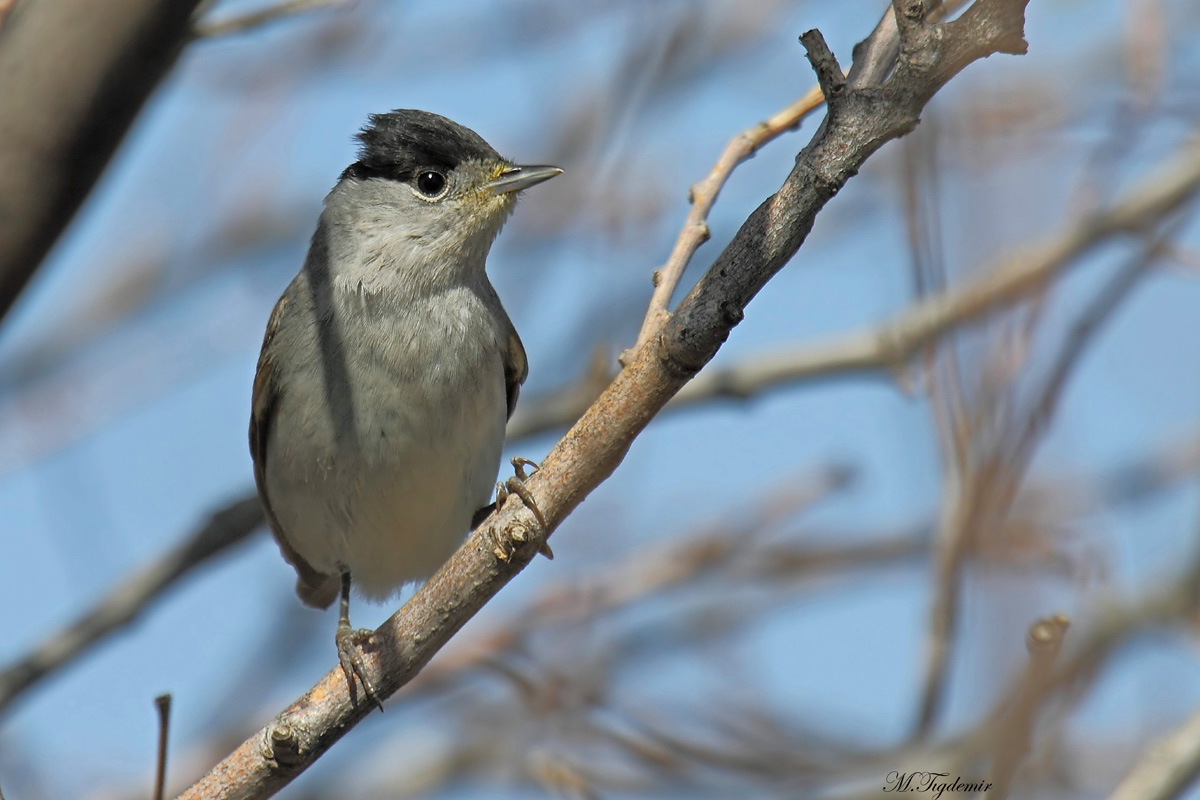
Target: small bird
column 389, row 368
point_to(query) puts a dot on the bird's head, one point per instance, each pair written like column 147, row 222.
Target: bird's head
column 425, row 180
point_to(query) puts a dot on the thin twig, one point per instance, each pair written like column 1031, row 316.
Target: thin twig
column 891, row 344
column 948, row 405
column 703, row 194
column 163, row 704
column 923, row 224
column 873, row 59
column 960, row 492
column 1014, row 730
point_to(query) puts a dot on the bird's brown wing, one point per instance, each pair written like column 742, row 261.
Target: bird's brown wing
column 516, row 369
column 315, row 588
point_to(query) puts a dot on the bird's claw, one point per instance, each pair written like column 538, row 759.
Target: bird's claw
column 350, row 642
column 516, row 485
column 519, row 465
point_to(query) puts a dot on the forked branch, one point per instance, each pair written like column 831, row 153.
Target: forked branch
column 859, row 122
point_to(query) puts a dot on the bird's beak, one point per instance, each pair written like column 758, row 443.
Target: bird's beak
column 515, row 179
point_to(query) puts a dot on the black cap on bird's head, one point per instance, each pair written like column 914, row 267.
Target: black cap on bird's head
column 441, row 161
column 396, row 144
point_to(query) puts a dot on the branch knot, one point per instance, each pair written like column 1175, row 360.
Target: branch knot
column 281, row 745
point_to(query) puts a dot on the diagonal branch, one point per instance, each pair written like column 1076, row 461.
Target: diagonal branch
column 858, row 123
column 873, row 59
column 891, row 344
column 703, row 194
column 887, row 346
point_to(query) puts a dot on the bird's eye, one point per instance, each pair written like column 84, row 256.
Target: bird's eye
column 431, row 183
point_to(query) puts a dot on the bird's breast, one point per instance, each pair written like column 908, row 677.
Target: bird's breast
column 397, row 442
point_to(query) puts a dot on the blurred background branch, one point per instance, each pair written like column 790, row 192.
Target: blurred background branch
column 73, row 76
column 227, row 527
column 204, row 28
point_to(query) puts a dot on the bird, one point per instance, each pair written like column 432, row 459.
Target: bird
column 389, row 369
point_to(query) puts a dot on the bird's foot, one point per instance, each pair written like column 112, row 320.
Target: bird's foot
column 350, row 644
column 516, row 485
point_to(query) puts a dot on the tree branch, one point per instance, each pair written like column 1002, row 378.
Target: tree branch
column 1013, row 732
column 859, row 122
column 887, row 346
column 874, row 57
column 703, row 195
column 890, row 345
